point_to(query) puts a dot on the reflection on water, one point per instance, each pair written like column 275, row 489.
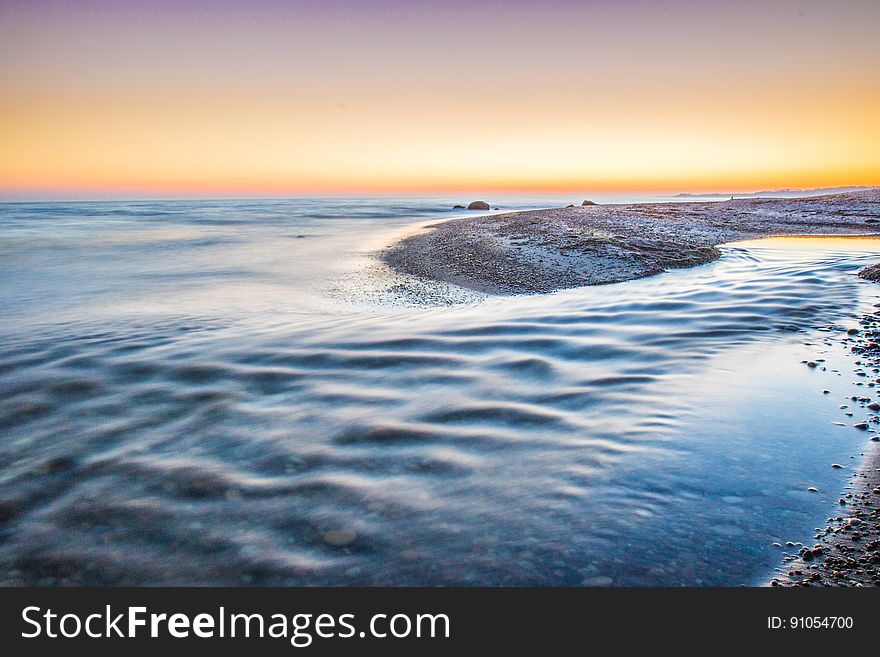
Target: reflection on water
column 180, row 404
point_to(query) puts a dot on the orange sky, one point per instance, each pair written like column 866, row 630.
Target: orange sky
column 265, row 98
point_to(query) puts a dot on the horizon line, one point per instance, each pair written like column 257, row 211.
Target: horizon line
column 358, row 194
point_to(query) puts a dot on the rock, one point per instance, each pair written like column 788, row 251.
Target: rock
column 861, row 425
column 478, row 205
column 811, row 489
column 340, row 537
column 836, row 465
column 871, row 273
column 874, row 406
column 570, row 205
column 588, row 202
column 458, row 207
column 812, row 363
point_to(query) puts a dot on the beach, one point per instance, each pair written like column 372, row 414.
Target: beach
column 847, row 548
column 243, row 393
column 554, row 249
column 547, row 250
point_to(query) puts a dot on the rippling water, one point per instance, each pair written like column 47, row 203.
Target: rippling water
column 203, row 392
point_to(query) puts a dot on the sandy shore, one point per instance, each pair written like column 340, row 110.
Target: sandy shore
column 547, row 250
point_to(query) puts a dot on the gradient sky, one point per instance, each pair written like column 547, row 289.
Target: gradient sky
column 260, row 97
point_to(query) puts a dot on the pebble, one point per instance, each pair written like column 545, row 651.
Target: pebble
column 340, row 537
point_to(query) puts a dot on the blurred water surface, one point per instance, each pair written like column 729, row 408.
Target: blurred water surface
column 233, row 392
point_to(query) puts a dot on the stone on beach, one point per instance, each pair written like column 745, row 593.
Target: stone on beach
column 871, row 273
column 588, row 202
column 478, row 205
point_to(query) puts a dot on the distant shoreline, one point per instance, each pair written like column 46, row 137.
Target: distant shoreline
column 541, row 251
column 775, row 193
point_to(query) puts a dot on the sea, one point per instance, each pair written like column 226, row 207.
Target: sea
column 239, row 392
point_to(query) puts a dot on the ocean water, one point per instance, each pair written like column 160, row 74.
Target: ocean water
column 237, row 392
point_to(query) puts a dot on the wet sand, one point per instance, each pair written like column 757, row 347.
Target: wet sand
column 547, row 250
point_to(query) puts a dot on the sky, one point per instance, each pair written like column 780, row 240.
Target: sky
column 117, row 98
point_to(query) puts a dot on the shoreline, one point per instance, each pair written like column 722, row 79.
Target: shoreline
column 847, row 549
column 547, row 250
column 540, row 251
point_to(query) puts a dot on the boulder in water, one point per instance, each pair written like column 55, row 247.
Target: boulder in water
column 871, row 273
column 478, row 205
column 588, row 202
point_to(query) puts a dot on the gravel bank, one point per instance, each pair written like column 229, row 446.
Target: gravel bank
column 547, row 250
